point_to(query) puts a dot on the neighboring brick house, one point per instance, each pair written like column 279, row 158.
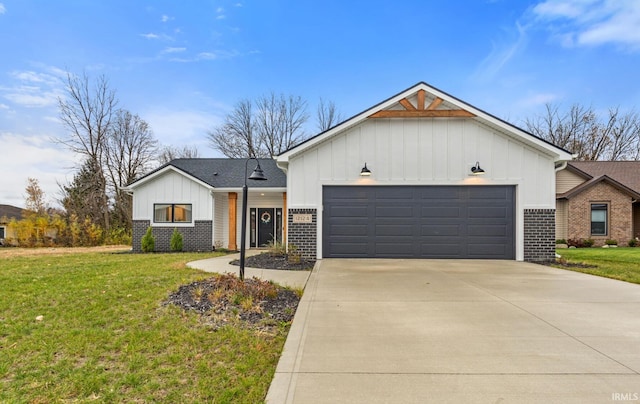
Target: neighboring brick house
column 598, row 200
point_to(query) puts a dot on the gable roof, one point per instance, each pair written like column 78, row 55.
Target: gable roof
column 423, row 100
column 10, row 211
column 626, row 173
column 219, row 172
column 593, row 181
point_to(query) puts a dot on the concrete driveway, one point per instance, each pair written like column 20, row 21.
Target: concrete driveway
column 449, row 331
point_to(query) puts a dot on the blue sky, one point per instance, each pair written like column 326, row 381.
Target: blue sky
column 183, row 65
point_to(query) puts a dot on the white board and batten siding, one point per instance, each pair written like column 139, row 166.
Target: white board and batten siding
column 172, row 187
column 424, row 151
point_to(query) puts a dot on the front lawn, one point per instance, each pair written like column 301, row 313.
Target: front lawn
column 621, row 263
column 93, row 327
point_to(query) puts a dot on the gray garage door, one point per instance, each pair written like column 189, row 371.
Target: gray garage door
column 418, row 222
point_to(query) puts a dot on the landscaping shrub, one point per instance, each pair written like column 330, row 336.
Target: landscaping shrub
column 580, row 242
column 276, row 249
column 633, row 242
column 176, row 241
column 561, row 241
column 611, row 242
column 148, row 241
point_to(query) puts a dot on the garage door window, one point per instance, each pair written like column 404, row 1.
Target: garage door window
column 599, row 219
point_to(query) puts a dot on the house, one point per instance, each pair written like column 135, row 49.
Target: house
column 199, row 197
column 399, row 180
column 8, row 212
column 419, row 175
column 598, row 200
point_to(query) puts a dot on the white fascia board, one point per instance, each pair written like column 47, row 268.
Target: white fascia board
column 527, row 138
column 166, row 169
column 283, row 159
column 558, row 154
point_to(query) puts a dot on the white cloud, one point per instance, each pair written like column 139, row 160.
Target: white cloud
column 3, row 9
column 174, row 50
column 178, row 128
column 33, row 89
column 166, row 18
column 538, row 99
column 592, row 22
column 150, row 35
column 33, row 156
column 501, row 54
column 220, row 14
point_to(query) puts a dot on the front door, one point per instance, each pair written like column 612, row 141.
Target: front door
column 266, row 226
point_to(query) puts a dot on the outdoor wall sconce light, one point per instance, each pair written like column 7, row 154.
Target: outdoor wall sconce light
column 476, row 170
column 365, row 172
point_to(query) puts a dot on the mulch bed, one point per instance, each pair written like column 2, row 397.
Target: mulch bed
column 269, row 261
column 219, row 300
column 567, row 264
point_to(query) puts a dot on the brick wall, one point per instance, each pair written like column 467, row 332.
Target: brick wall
column 620, row 218
column 196, row 238
column 303, row 235
column 539, row 235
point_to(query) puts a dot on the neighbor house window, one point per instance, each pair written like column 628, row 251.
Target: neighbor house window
column 172, row 213
column 599, row 219
column 1, row 231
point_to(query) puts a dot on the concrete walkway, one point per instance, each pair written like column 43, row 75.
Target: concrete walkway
column 447, row 331
column 220, row 265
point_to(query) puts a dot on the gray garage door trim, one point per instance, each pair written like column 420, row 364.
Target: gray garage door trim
column 474, row 222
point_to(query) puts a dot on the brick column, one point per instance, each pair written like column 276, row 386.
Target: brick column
column 303, row 235
column 539, row 235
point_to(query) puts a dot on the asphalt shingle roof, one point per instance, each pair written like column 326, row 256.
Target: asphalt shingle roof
column 229, row 173
column 10, row 211
column 626, row 173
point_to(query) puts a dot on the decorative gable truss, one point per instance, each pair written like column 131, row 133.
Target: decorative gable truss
column 436, row 109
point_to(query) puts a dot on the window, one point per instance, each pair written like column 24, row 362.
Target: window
column 1, row 231
column 172, row 213
column 599, row 219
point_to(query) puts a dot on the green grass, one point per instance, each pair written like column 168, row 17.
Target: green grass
column 621, row 263
column 106, row 337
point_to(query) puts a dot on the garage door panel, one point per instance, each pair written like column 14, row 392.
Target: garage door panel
column 487, row 212
column 419, row 221
column 440, row 211
column 348, row 211
column 487, row 230
column 349, row 230
column 394, row 249
column 394, row 211
column 397, row 230
column 440, row 230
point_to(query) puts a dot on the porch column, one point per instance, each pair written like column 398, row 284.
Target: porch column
column 284, row 217
column 233, row 201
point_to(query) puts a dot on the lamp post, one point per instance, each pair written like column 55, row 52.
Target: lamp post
column 258, row 175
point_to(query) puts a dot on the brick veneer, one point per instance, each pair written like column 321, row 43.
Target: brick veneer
column 196, row 238
column 620, row 214
column 303, row 235
column 539, row 234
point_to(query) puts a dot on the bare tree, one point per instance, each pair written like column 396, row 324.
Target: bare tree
column 327, row 115
column 581, row 131
column 275, row 125
column 279, row 122
column 168, row 153
column 87, row 112
column 129, row 151
column 236, row 137
column 35, row 200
